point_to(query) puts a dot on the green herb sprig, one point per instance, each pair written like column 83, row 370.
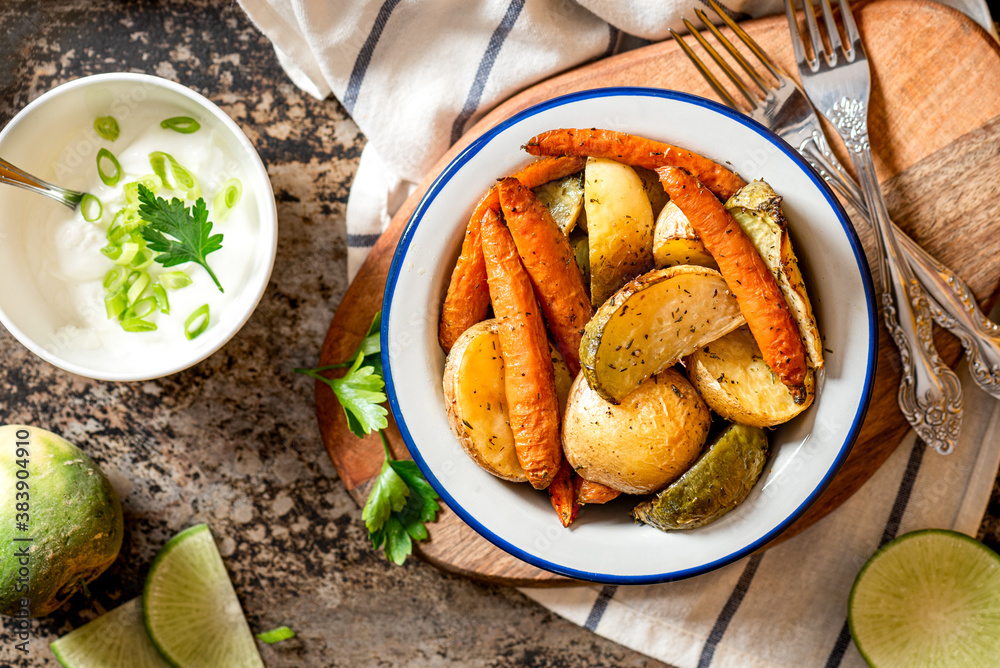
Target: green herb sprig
column 401, row 500
column 177, row 233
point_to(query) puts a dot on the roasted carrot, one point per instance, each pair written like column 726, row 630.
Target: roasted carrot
column 548, row 259
column 751, row 282
column 562, row 494
column 594, row 492
column 529, row 378
column 467, row 300
column 636, row 151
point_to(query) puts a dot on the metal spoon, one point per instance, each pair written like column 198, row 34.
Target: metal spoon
column 22, row 179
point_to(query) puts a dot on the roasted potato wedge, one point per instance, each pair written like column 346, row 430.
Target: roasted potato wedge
column 676, row 242
column 757, row 208
column 563, row 199
column 619, row 225
column 736, row 383
column 643, row 443
column 652, row 323
column 477, row 401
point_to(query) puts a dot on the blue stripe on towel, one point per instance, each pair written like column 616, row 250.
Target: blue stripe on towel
column 365, row 55
column 729, row 610
column 891, row 528
column 485, row 66
column 361, row 240
column 600, row 605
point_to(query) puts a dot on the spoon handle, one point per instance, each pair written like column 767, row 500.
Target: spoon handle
column 18, row 177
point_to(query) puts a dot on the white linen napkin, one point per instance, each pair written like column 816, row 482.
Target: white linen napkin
column 414, row 76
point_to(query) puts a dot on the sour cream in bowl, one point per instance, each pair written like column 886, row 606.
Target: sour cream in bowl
column 89, row 290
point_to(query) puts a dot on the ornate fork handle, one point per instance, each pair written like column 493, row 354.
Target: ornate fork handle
column 951, row 302
column 930, row 395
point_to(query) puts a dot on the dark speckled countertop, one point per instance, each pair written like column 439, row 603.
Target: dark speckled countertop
column 233, row 441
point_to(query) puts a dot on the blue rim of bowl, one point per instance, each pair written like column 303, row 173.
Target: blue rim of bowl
column 271, row 214
column 455, row 165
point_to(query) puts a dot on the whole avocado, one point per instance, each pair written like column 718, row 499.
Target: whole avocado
column 61, row 522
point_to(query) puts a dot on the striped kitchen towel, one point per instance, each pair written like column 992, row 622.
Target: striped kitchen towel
column 787, row 606
column 415, row 75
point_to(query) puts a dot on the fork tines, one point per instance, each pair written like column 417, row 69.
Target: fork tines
column 763, row 88
column 816, row 36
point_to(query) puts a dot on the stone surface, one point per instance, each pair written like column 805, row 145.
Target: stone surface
column 233, row 441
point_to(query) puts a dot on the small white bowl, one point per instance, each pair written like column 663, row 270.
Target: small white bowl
column 604, row 545
column 53, row 138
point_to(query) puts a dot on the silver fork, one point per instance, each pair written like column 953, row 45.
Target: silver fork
column 785, row 109
column 838, row 82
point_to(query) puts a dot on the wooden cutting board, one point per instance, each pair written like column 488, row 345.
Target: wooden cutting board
column 935, row 89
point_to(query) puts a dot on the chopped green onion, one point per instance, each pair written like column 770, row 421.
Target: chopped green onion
column 129, row 251
column 226, row 199
column 112, row 251
column 174, row 280
column 115, row 278
column 183, row 124
column 158, row 161
column 143, row 258
column 115, row 304
column 107, row 127
column 160, row 293
column 130, row 222
column 136, row 286
column 140, row 309
column 276, row 635
column 108, row 179
column 197, row 322
column 87, row 204
column 183, row 179
column 138, row 325
column 151, row 181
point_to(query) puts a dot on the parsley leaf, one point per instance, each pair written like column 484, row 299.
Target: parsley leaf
column 177, row 233
column 401, row 500
column 360, row 394
column 388, row 495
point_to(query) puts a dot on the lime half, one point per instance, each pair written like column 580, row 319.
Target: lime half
column 928, row 598
column 117, row 638
column 190, row 607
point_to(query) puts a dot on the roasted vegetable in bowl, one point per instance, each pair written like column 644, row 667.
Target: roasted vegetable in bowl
column 723, row 326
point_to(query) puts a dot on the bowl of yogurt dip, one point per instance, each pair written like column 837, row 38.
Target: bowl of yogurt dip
column 137, row 282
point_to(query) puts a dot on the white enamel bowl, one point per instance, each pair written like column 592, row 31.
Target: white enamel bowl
column 53, row 139
column 604, row 545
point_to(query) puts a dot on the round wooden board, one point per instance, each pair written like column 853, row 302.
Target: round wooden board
column 934, row 82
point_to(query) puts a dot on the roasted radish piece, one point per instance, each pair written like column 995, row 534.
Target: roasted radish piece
column 563, row 199
column 654, row 322
column 676, row 242
column 619, row 224
column 757, row 208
